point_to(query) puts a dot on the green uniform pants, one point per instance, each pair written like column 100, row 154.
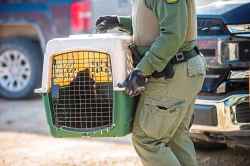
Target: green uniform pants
column 160, row 131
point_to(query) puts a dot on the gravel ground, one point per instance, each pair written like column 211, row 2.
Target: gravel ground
column 24, row 141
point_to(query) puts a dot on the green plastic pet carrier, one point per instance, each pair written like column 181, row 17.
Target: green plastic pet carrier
column 79, row 88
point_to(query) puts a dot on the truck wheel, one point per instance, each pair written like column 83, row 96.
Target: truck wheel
column 20, row 67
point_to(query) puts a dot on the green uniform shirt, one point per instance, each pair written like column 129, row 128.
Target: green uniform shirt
column 173, row 26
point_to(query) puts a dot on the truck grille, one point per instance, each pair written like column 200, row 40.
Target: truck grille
column 81, row 90
column 243, row 112
column 208, row 52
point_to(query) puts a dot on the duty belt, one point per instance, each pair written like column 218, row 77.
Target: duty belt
column 168, row 72
column 185, row 56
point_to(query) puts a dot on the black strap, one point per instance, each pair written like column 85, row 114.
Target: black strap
column 168, row 71
column 184, row 56
column 135, row 54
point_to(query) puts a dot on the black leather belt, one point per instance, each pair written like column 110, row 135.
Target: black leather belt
column 185, row 56
column 168, row 71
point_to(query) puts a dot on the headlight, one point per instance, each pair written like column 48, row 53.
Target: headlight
column 228, row 51
column 242, row 28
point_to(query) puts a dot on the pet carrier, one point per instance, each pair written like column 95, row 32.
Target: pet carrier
column 79, row 88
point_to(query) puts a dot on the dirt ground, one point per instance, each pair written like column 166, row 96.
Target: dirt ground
column 24, row 141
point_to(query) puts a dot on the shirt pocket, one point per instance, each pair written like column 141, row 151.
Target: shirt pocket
column 160, row 119
column 196, row 66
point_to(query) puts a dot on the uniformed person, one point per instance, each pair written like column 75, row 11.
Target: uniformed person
column 165, row 34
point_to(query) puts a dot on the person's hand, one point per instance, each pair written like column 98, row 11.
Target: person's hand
column 134, row 83
column 105, row 23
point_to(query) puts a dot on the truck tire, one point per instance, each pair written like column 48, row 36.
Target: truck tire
column 20, row 67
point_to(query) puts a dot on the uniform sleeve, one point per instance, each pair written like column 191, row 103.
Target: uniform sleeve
column 126, row 24
column 172, row 19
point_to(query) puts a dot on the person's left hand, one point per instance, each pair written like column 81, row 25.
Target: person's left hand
column 134, row 83
column 105, row 23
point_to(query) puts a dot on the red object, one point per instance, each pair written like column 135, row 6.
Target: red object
column 81, row 16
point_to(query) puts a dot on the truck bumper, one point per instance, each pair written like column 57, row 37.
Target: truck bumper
column 224, row 119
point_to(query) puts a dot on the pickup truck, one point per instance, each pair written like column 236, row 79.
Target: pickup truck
column 222, row 109
column 27, row 25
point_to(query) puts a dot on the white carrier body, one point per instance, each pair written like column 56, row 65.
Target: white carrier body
column 113, row 44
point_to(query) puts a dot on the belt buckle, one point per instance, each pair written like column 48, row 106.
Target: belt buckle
column 180, row 57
